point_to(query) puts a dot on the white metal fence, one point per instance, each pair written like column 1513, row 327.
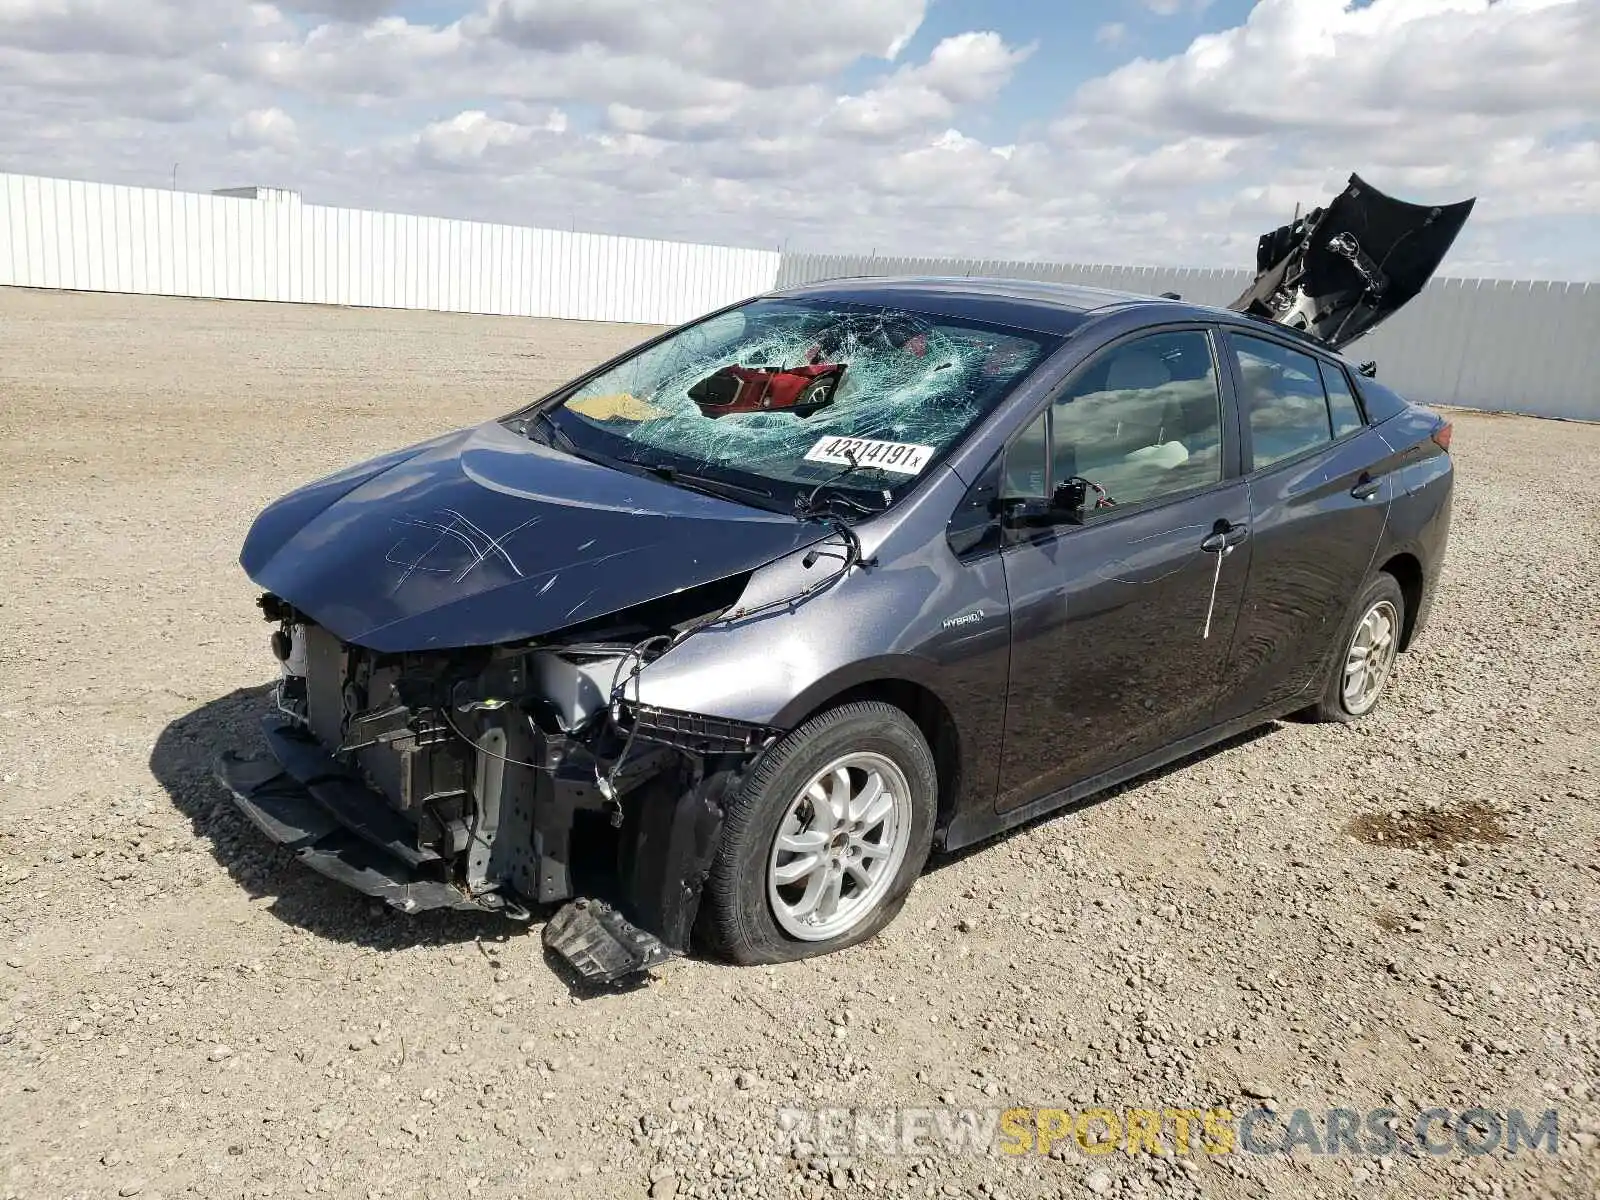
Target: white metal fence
column 1517, row 346
column 1514, row 346
column 57, row 233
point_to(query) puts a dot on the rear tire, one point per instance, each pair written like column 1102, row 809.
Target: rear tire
column 1364, row 661
column 822, row 843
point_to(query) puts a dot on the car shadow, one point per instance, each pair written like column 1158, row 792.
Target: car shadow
column 299, row 897
column 941, row 859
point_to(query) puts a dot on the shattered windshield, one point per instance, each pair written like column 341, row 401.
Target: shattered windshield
column 796, row 393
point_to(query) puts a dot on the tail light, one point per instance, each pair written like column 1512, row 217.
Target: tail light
column 1441, row 436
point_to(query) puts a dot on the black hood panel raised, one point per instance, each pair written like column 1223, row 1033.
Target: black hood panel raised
column 484, row 536
column 1339, row 271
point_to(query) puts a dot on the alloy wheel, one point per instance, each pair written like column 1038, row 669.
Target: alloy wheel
column 839, row 846
column 1370, row 657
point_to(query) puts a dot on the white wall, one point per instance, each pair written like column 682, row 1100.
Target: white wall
column 1511, row 346
column 57, row 233
column 1524, row 347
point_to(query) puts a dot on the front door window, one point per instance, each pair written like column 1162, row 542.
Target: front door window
column 1144, row 421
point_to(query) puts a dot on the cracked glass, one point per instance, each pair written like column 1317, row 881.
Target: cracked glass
column 757, row 390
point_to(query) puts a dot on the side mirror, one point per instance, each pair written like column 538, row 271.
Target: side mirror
column 1070, row 499
column 1065, row 507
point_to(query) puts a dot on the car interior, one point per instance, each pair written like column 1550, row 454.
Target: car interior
column 1143, row 421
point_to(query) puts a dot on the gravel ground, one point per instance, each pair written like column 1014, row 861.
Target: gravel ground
column 1397, row 915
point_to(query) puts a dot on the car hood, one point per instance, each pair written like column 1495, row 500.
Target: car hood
column 1339, row 271
column 483, row 536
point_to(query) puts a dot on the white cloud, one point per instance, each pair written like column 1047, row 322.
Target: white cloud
column 264, row 128
column 342, row 10
column 970, row 66
column 150, row 29
column 473, row 138
column 755, row 42
column 965, row 69
column 1112, row 33
column 1437, row 98
column 1171, row 8
column 1327, row 64
column 389, row 58
column 733, row 120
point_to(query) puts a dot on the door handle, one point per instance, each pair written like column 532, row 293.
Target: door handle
column 1225, row 539
column 1367, row 488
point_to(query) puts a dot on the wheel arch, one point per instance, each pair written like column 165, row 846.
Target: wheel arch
column 1406, row 570
column 903, row 684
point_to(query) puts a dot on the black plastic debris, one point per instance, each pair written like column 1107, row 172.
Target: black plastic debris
column 600, row 943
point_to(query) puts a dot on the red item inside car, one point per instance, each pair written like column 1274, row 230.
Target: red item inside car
column 799, row 390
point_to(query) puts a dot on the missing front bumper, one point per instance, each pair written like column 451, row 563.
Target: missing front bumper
column 666, row 835
column 290, row 813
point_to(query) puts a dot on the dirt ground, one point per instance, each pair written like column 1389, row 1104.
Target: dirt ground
column 1399, row 915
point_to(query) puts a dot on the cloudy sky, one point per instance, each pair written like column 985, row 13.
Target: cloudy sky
column 1141, row 131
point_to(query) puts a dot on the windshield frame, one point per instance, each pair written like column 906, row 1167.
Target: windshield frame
column 597, row 444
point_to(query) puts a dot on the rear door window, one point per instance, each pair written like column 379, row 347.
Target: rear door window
column 1282, row 397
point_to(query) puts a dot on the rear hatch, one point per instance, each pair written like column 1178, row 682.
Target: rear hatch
column 1339, row 271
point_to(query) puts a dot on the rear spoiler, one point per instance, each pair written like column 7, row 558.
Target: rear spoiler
column 1339, row 271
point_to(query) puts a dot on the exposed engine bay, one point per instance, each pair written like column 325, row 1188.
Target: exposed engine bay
column 501, row 777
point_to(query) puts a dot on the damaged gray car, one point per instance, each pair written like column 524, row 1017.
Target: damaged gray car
column 719, row 640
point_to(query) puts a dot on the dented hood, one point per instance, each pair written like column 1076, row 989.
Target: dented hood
column 1339, row 271
column 483, row 536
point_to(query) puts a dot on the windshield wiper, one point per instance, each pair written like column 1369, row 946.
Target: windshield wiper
column 721, row 488
column 558, row 436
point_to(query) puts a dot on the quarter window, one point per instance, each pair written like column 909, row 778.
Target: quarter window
column 1027, row 472
column 1143, row 421
column 1341, row 401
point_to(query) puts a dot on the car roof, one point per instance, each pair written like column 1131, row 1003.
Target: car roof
column 1036, row 305
column 1042, row 307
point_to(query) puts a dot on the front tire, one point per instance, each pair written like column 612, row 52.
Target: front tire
column 822, row 843
column 1365, row 663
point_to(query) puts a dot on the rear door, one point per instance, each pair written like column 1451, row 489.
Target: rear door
column 1320, row 485
column 1120, row 626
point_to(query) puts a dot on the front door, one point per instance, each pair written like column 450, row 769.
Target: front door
column 1121, row 625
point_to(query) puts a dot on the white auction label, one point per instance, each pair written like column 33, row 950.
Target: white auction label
column 899, row 457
